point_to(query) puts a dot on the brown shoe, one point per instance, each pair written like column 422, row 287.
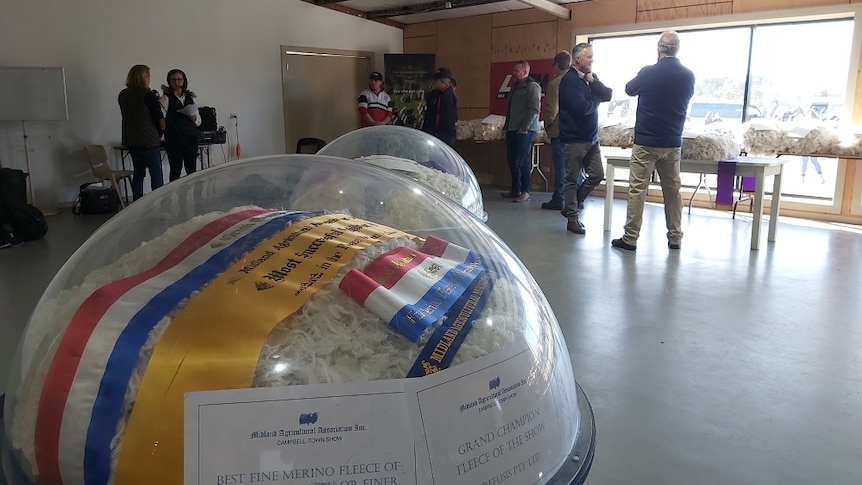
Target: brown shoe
column 510, row 195
column 522, row 197
column 576, row 227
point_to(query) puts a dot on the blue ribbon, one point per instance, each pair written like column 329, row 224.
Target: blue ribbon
column 447, row 339
column 108, row 405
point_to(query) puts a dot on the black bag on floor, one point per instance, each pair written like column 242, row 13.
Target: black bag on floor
column 96, row 199
column 28, row 223
column 13, row 185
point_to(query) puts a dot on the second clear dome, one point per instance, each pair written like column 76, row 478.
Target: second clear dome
column 417, row 155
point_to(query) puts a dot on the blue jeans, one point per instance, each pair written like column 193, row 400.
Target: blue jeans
column 558, row 154
column 518, row 157
column 143, row 160
column 814, row 162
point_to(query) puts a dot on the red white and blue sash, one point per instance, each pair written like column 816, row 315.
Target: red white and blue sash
column 82, row 399
column 440, row 284
column 412, row 289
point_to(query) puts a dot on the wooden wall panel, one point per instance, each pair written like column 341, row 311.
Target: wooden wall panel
column 694, row 11
column 420, row 30
column 534, row 41
column 464, row 46
column 521, row 17
column 421, row 45
column 660, row 4
column 597, row 13
column 744, row 6
column 564, row 36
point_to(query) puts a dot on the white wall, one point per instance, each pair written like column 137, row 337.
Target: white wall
column 228, row 49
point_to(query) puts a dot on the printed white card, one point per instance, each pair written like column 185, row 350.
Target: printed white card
column 344, row 434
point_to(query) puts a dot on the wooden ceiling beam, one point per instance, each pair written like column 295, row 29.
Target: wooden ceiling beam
column 550, row 7
column 435, row 6
column 334, row 5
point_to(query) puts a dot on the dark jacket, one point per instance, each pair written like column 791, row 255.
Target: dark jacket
column 141, row 113
column 441, row 113
column 178, row 124
column 664, row 90
column 579, row 103
column 522, row 112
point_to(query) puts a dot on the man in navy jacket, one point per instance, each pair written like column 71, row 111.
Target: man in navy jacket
column 581, row 92
column 664, row 90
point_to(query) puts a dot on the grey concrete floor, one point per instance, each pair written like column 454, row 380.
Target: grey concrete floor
column 709, row 365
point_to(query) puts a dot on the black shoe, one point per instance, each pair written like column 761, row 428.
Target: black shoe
column 576, row 227
column 619, row 243
column 553, row 205
column 671, row 245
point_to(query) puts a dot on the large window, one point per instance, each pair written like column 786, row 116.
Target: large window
column 779, row 71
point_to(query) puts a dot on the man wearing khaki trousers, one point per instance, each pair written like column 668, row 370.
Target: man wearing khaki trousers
column 663, row 90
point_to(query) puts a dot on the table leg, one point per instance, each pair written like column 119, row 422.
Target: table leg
column 123, row 153
column 609, row 195
column 701, row 181
column 776, row 203
column 758, row 209
column 534, row 164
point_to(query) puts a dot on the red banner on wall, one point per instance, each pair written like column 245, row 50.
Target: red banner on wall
column 541, row 70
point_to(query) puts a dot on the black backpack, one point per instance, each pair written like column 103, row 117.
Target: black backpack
column 27, row 222
column 95, row 199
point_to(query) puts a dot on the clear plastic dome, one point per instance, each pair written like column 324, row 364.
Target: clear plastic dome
column 289, row 318
column 418, row 155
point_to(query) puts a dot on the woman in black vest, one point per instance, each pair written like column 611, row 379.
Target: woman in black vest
column 143, row 125
column 181, row 135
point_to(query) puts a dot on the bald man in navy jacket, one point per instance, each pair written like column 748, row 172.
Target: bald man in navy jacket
column 663, row 90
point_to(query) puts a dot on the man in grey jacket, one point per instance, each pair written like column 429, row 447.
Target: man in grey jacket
column 522, row 123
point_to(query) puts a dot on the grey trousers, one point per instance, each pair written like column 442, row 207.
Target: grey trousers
column 586, row 157
column 643, row 162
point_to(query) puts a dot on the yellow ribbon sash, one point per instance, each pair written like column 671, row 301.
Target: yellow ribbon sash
column 215, row 341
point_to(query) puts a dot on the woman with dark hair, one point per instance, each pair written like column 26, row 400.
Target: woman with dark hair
column 181, row 134
column 441, row 107
column 143, row 125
